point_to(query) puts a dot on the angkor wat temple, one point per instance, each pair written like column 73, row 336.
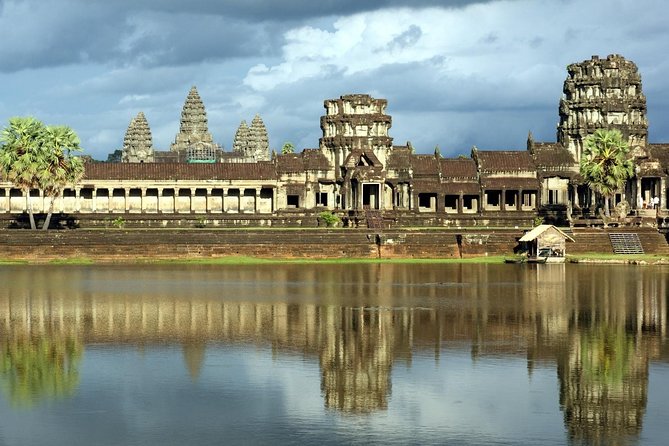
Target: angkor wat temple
column 358, row 172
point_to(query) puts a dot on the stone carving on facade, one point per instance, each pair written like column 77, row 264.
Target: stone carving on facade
column 137, row 144
column 602, row 93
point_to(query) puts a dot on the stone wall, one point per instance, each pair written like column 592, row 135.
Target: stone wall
column 124, row 245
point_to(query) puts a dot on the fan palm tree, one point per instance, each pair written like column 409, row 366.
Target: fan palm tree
column 61, row 168
column 604, row 164
column 35, row 156
column 21, row 157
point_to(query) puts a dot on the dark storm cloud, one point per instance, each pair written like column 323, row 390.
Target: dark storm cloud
column 290, row 10
column 47, row 34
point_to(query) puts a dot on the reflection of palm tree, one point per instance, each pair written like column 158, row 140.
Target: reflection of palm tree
column 603, row 386
column 32, row 369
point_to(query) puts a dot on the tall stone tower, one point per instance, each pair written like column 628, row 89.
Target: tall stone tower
column 252, row 143
column 194, row 142
column 137, row 144
column 258, row 140
column 241, row 142
column 602, row 93
column 355, row 121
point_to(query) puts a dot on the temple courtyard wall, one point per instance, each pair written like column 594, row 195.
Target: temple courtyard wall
column 124, row 245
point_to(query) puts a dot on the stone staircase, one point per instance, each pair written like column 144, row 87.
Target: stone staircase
column 598, row 240
column 374, row 218
column 626, row 243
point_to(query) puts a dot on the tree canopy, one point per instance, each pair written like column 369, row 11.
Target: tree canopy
column 604, row 164
column 37, row 156
column 287, row 147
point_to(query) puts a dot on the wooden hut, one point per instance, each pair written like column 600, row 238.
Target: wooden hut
column 546, row 242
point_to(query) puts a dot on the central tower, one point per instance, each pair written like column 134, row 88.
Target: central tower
column 194, row 142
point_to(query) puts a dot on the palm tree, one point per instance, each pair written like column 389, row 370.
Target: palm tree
column 21, row 159
column 604, row 164
column 61, row 167
column 35, row 156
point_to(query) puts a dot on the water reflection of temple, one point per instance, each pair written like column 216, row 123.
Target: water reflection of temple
column 359, row 321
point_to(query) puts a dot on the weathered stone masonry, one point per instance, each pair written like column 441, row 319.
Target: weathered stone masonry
column 357, row 169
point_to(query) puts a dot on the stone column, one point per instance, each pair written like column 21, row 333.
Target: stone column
column 126, row 193
column 382, row 193
column 61, row 197
column 225, row 194
column 94, row 200
column 142, row 201
column 256, row 200
column 77, row 199
column 207, row 204
column 638, row 192
column 274, row 198
column 159, row 201
column 175, row 200
column 576, row 201
column 192, row 195
column 8, row 199
column 239, row 199
column 519, row 205
column 461, row 203
column 663, row 193
column 502, row 201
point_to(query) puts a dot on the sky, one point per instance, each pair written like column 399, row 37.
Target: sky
column 455, row 73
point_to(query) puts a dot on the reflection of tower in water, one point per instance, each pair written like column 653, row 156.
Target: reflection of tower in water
column 603, row 385
column 356, row 359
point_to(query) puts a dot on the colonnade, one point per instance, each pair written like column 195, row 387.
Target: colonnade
column 145, row 199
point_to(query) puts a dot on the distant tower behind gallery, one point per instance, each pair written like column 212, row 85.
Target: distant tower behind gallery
column 137, row 143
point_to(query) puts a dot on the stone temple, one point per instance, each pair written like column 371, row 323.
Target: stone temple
column 359, row 173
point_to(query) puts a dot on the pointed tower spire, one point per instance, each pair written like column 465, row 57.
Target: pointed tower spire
column 241, row 142
column 194, row 140
column 138, row 143
column 193, row 115
column 259, row 141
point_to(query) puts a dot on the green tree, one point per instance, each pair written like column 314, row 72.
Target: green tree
column 35, row 156
column 604, row 164
column 62, row 168
column 20, row 158
column 287, row 147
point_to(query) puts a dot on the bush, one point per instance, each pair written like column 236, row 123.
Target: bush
column 329, row 219
column 118, row 222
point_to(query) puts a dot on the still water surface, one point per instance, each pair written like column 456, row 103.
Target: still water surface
column 332, row 354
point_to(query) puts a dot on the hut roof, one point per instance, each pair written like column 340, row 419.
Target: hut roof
column 536, row 232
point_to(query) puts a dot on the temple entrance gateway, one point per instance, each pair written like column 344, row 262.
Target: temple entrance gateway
column 371, row 195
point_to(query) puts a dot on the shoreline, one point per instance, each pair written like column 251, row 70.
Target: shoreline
column 593, row 259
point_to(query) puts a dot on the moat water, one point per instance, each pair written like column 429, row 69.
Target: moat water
column 334, row 354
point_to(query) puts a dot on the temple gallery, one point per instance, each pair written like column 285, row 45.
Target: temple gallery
column 358, row 172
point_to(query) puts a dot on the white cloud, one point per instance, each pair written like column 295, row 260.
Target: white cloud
column 130, row 98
